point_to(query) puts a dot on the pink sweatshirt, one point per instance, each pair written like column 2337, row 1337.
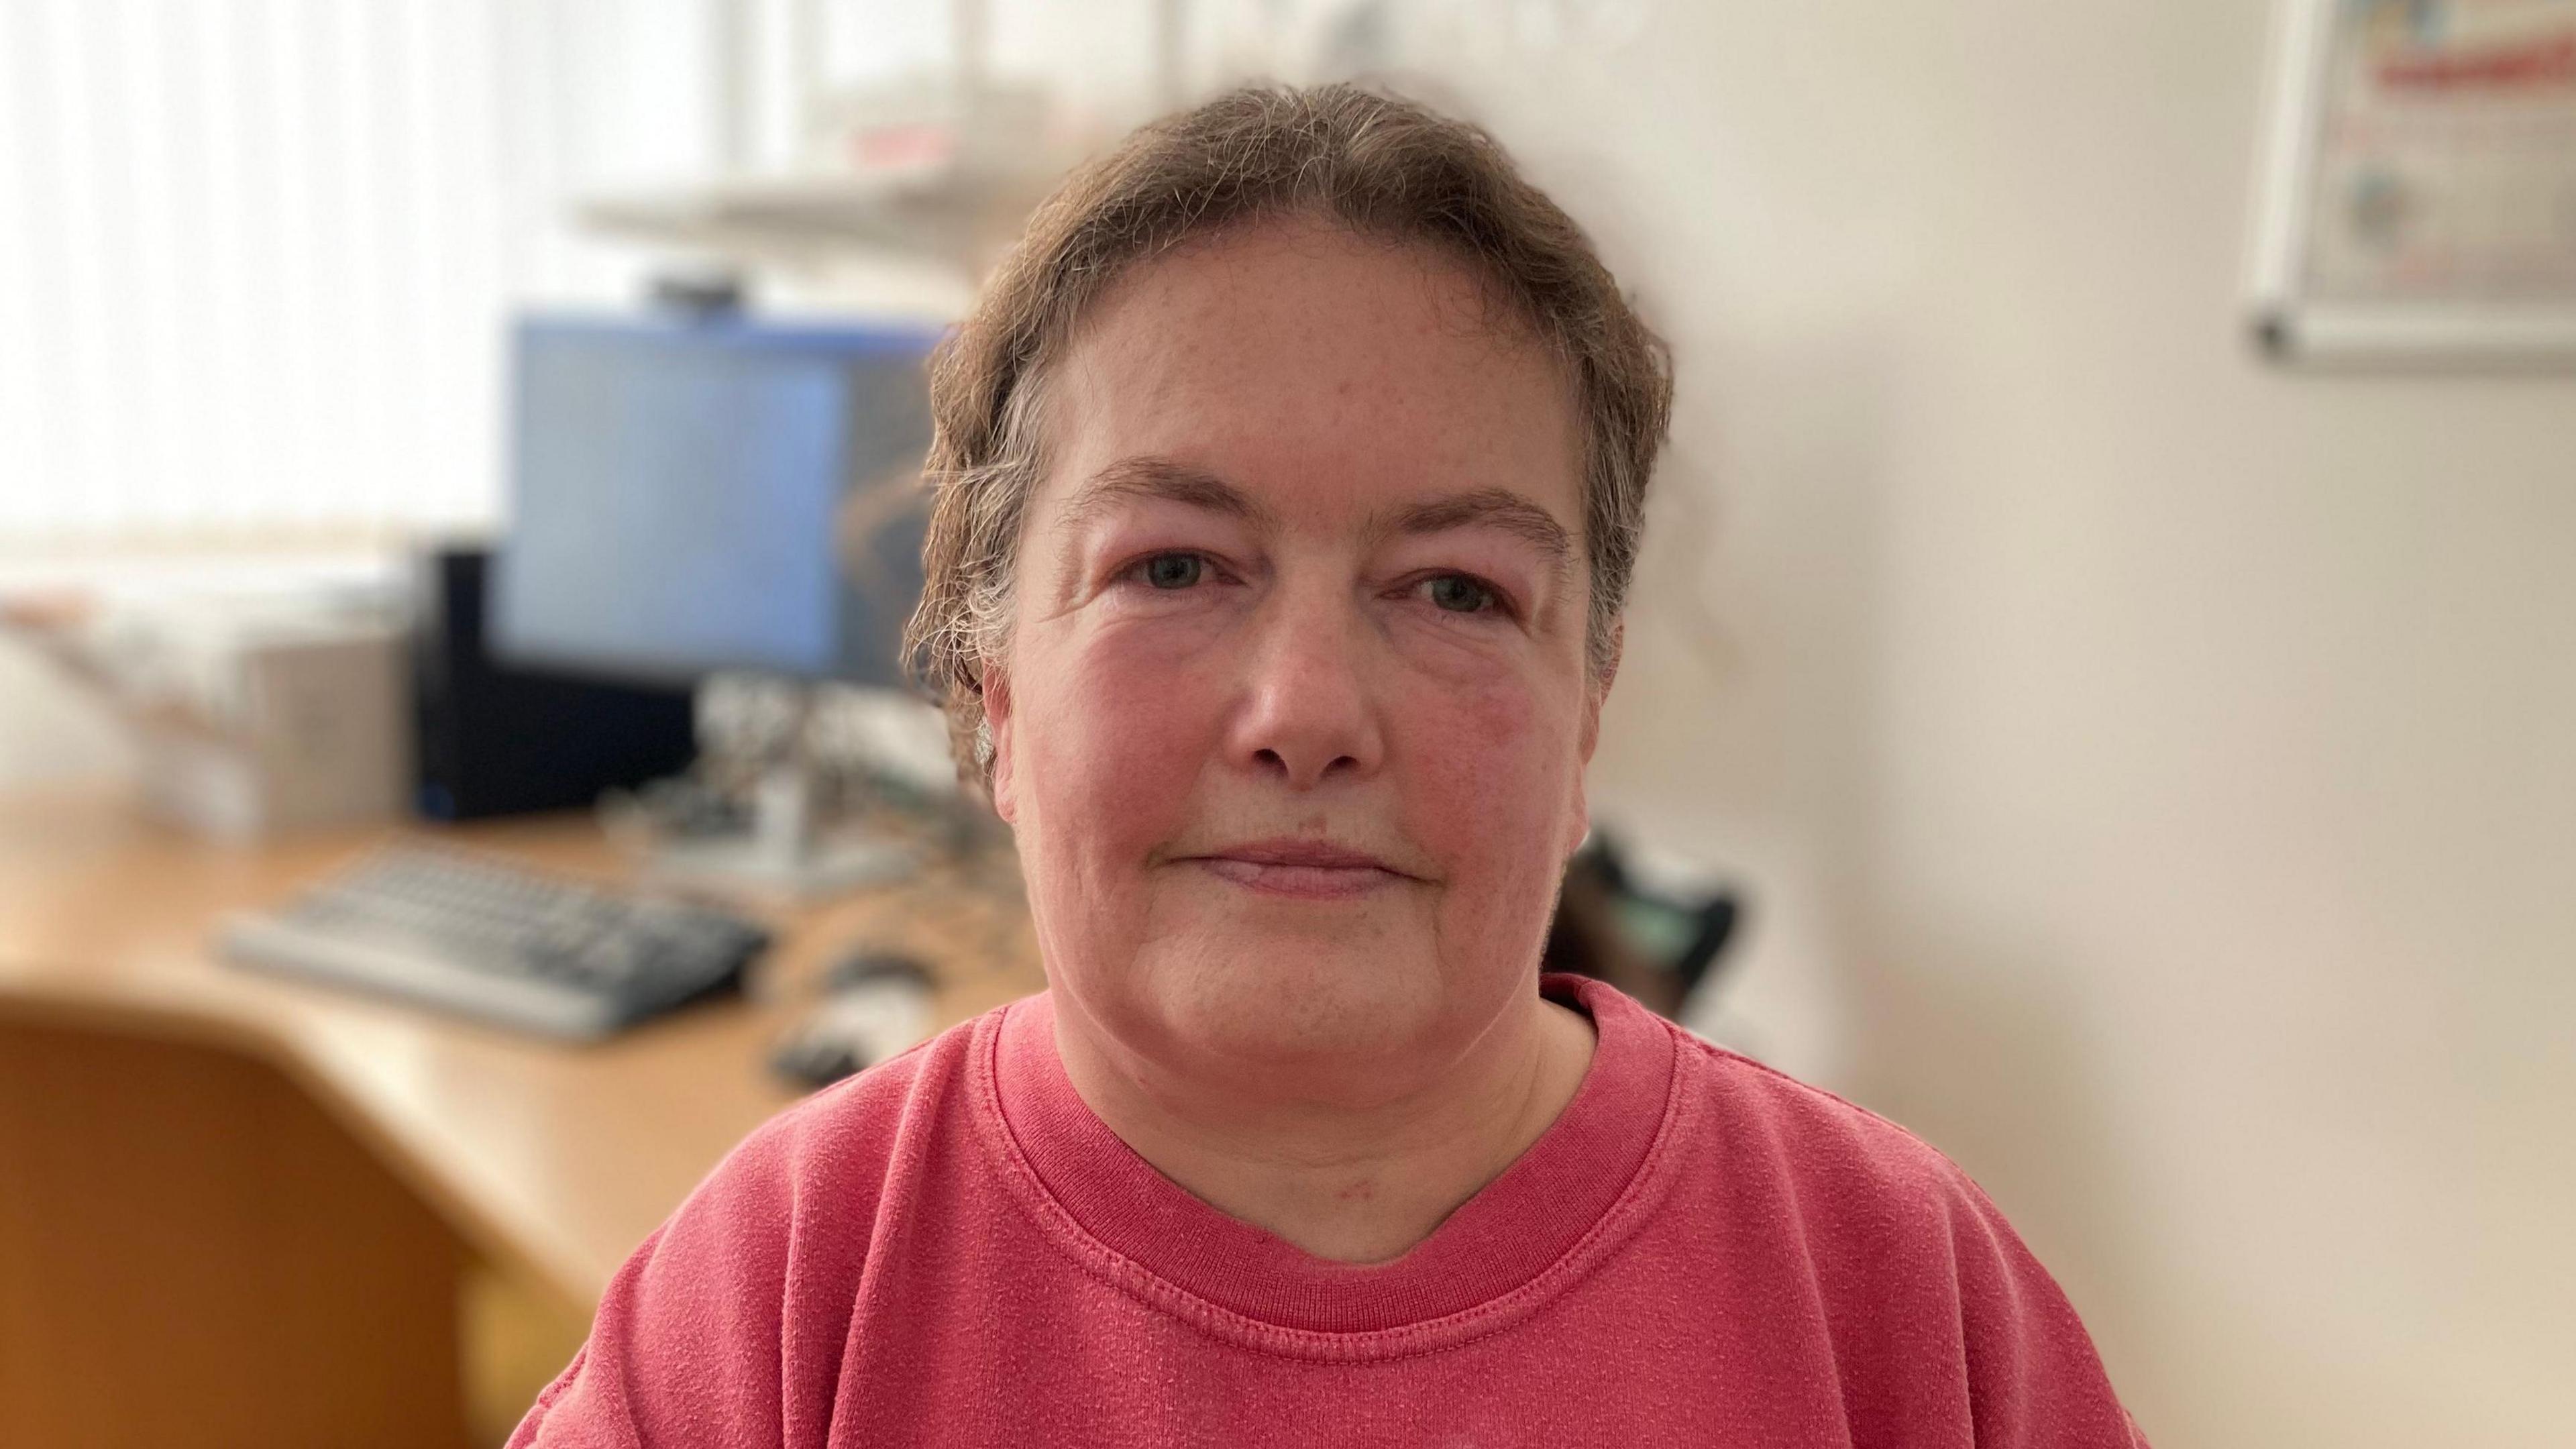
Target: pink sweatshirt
column 951, row 1249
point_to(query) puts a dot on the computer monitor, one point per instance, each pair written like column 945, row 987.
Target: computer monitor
column 693, row 495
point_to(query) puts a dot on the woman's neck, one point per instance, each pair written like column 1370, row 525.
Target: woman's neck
column 1355, row 1185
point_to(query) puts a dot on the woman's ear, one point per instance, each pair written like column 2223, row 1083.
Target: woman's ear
column 1579, row 822
column 1599, row 693
column 997, row 728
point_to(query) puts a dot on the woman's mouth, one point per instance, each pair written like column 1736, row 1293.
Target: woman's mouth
column 1300, row 869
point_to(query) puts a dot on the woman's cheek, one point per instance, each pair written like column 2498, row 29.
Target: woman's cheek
column 1128, row 731
column 1480, row 758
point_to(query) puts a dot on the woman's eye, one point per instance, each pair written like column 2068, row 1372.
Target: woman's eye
column 1459, row 594
column 1172, row 570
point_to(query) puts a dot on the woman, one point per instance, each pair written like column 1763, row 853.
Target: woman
column 1288, row 482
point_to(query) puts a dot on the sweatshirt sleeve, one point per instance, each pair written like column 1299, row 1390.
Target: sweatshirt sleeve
column 1944, row 1328
column 685, row 1346
column 726, row 1328
column 2034, row 1377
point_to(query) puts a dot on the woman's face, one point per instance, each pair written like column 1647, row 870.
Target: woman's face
column 1294, row 710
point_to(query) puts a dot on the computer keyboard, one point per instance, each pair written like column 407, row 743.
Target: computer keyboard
column 498, row 941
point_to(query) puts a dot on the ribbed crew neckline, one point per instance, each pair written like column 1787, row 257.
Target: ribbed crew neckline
column 1552, row 1207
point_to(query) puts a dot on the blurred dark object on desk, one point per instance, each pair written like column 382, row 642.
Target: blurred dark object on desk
column 875, row 1004
column 496, row 738
column 1656, row 944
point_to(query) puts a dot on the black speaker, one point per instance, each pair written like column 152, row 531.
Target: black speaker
column 496, row 739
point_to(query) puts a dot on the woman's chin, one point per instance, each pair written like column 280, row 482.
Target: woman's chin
column 1320, row 1006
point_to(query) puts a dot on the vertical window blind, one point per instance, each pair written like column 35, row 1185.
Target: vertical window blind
column 254, row 258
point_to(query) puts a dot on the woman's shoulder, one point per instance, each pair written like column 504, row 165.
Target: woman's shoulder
column 1820, row 1147
column 1909, row 1261
column 811, row 1179
column 857, row 1130
column 740, row 1299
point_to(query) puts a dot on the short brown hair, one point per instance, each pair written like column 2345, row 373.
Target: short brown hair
column 1377, row 165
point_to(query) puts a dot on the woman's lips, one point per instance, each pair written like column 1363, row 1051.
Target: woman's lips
column 1300, row 869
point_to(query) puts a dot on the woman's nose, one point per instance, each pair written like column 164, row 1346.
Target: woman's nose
column 1307, row 714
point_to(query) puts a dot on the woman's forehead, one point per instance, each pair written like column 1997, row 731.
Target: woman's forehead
column 1290, row 355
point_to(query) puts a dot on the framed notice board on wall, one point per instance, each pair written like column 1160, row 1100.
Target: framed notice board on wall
column 2418, row 188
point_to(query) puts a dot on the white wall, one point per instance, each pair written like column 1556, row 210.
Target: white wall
column 2157, row 772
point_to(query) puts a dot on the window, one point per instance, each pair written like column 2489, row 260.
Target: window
column 254, row 260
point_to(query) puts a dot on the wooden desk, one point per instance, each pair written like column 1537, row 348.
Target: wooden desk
column 552, row 1160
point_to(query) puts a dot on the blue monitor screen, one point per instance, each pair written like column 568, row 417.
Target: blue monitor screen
column 678, row 491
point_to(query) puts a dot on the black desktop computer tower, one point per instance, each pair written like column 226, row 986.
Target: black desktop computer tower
column 498, row 739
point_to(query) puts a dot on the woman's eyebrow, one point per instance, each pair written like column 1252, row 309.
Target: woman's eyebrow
column 1491, row 508
column 1161, row 478
column 1152, row 477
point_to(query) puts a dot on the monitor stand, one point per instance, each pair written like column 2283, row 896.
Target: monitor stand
column 788, row 855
